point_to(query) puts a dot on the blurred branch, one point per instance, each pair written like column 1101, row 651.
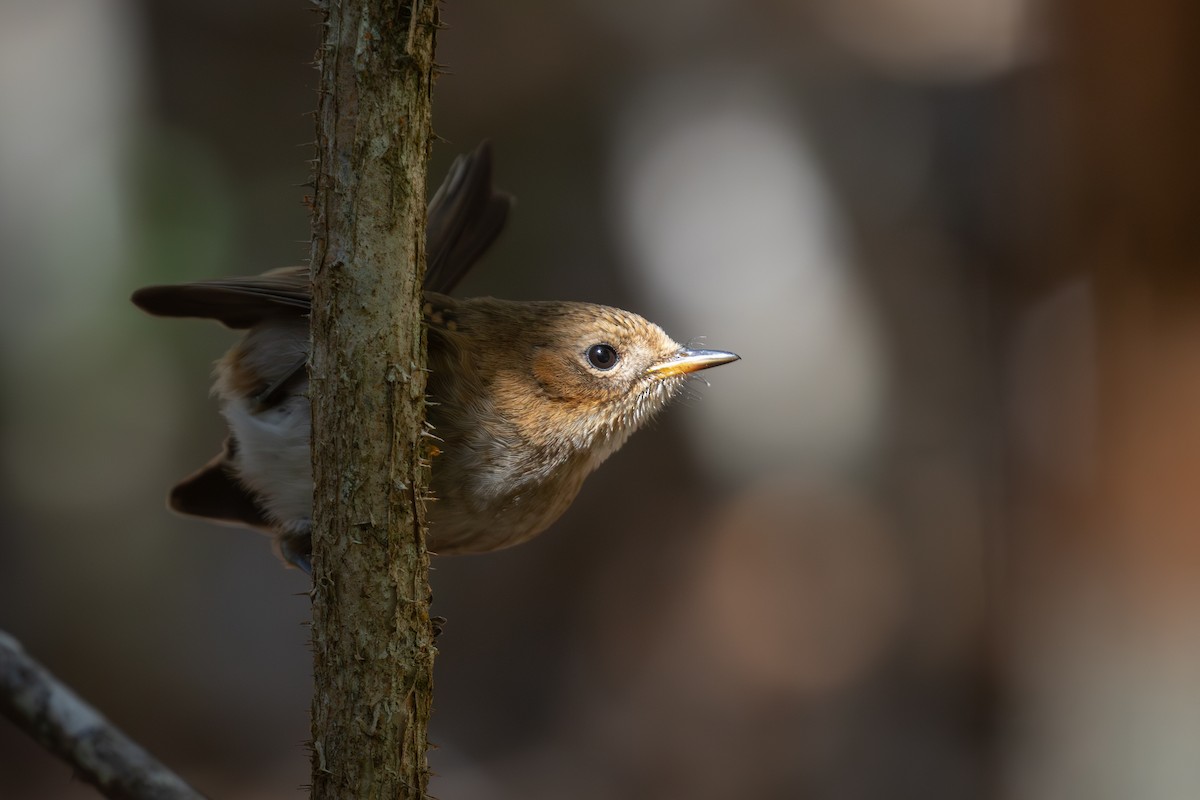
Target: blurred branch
column 372, row 638
column 39, row 704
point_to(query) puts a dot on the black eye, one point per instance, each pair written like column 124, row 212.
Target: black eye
column 602, row 356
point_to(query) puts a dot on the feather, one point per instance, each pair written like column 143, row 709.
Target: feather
column 464, row 218
column 214, row 492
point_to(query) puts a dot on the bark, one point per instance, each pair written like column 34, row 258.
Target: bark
column 63, row 723
column 372, row 639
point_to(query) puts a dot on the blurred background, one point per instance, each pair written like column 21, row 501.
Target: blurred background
column 935, row 536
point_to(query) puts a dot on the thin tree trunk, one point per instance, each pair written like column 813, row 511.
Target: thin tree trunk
column 372, row 639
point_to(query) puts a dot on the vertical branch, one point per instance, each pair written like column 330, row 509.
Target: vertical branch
column 372, row 639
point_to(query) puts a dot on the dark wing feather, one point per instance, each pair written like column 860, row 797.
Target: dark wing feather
column 465, row 217
column 236, row 302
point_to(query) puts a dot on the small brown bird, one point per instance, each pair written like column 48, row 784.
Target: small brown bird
column 527, row 397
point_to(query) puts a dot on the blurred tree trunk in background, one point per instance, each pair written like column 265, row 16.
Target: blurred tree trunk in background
column 372, row 639
column 1132, row 82
column 1107, row 573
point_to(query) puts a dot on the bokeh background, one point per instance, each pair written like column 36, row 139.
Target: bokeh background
column 935, row 536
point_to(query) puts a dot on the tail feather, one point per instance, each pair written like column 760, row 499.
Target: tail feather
column 215, row 493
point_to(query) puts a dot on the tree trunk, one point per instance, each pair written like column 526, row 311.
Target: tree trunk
column 372, row 639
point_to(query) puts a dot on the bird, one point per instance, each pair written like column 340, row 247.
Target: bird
column 526, row 398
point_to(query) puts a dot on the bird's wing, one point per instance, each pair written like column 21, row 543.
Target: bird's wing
column 465, row 217
column 235, row 302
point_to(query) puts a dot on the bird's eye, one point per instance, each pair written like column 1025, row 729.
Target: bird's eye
column 602, row 356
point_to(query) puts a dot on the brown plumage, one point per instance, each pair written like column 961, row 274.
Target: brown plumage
column 527, row 397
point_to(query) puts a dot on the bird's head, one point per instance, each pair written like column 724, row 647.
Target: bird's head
column 576, row 376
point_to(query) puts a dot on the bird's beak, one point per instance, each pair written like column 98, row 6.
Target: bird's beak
column 686, row 361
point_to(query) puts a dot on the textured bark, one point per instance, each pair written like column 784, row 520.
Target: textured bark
column 372, row 639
